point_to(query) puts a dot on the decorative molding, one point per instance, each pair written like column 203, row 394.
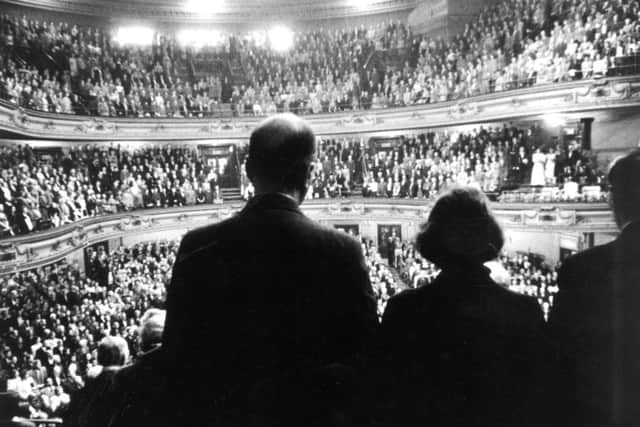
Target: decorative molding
column 92, row 125
column 605, row 90
column 549, row 216
column 462, row 109
column 359, row 120
column 49, row 246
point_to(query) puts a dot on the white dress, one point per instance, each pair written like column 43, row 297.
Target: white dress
column 537, row 173
column 550, row 168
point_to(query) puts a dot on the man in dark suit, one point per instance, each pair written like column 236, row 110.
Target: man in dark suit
column 268, row 311
column 595, row 323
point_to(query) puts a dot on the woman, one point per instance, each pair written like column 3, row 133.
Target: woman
column 463, row 350
column 538, row 171
column 550, row 166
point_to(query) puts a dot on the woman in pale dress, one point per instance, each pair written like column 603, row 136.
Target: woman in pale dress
column 537, row 173
column 550, row 167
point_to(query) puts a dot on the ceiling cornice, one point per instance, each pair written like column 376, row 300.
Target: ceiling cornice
column 247, row 11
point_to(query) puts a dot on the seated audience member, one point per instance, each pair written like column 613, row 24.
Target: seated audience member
column 90, row 405
column 14, row 412
column 152, row 326
column 286, row 302
column 595, row 325
column 461, row 351
column 139, row 388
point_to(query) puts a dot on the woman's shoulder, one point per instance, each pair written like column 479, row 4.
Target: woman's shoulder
column 413, row 298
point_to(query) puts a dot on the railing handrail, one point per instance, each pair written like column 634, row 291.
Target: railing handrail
column 519, row 86
column 65, row 229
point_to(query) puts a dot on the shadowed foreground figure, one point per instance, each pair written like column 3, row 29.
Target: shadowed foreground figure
column 94, row 404
column 595, row 322
column 268, row 311
column 463, row 350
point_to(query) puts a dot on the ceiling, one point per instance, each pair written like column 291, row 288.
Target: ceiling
column 222, row 11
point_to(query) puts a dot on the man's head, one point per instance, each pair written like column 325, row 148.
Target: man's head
column 113, row 351
column 624, row 177
column 281, row 151
column 151, row 328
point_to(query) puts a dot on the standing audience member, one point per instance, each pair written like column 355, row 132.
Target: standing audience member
column 286, row 302
column 139, row 388
column 90, row 406
column 463, row 350
column 595, row 324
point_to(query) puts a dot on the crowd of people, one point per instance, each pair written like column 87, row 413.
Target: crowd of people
column 420, row 166
column 523, row 273
column 463, row 349
column 52, row 187
column 385, row 282
column 41, row 189
column 67, row 68
column 54, row 317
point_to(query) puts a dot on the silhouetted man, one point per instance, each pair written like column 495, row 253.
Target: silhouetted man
column 595, row 322
column 268, row 311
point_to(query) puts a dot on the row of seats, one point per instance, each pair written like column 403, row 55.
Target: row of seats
column 67, row 68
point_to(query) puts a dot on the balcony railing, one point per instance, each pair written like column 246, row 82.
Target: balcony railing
column 522, row 100
column 33, row 250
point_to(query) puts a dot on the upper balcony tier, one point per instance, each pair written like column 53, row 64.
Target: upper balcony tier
column 246, row 11
column 565, row 98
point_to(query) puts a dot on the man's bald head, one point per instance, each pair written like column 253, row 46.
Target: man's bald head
column 281, row 150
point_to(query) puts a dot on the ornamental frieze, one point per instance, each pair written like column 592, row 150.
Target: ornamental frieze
column 55, row 244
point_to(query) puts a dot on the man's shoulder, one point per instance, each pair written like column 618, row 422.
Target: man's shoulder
column 594, row 258
column 522, row 305
column 338, row 237
column 202, row 237
column 410, row 301
column 250, row 225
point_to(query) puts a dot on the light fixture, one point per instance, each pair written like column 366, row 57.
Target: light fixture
column 139, row 36
column 554, row 120
column 280, row 38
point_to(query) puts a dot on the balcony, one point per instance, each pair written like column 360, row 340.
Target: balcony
column 571, row 97
column 33, row 250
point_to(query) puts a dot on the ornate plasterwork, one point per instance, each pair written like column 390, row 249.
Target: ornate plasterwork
column 605, row 90
column 223, row 125
column 464, row 109
column 92, row 125
column 49, row 246
column 359, row 120
column 549, row 216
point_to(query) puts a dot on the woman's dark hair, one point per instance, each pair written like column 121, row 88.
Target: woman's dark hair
column 460, row 230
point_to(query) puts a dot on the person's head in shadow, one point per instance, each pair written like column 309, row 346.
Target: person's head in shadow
column 281, row 154
column 113, row 352
column 624, row 191
column 151, row 328
column 461, row 230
